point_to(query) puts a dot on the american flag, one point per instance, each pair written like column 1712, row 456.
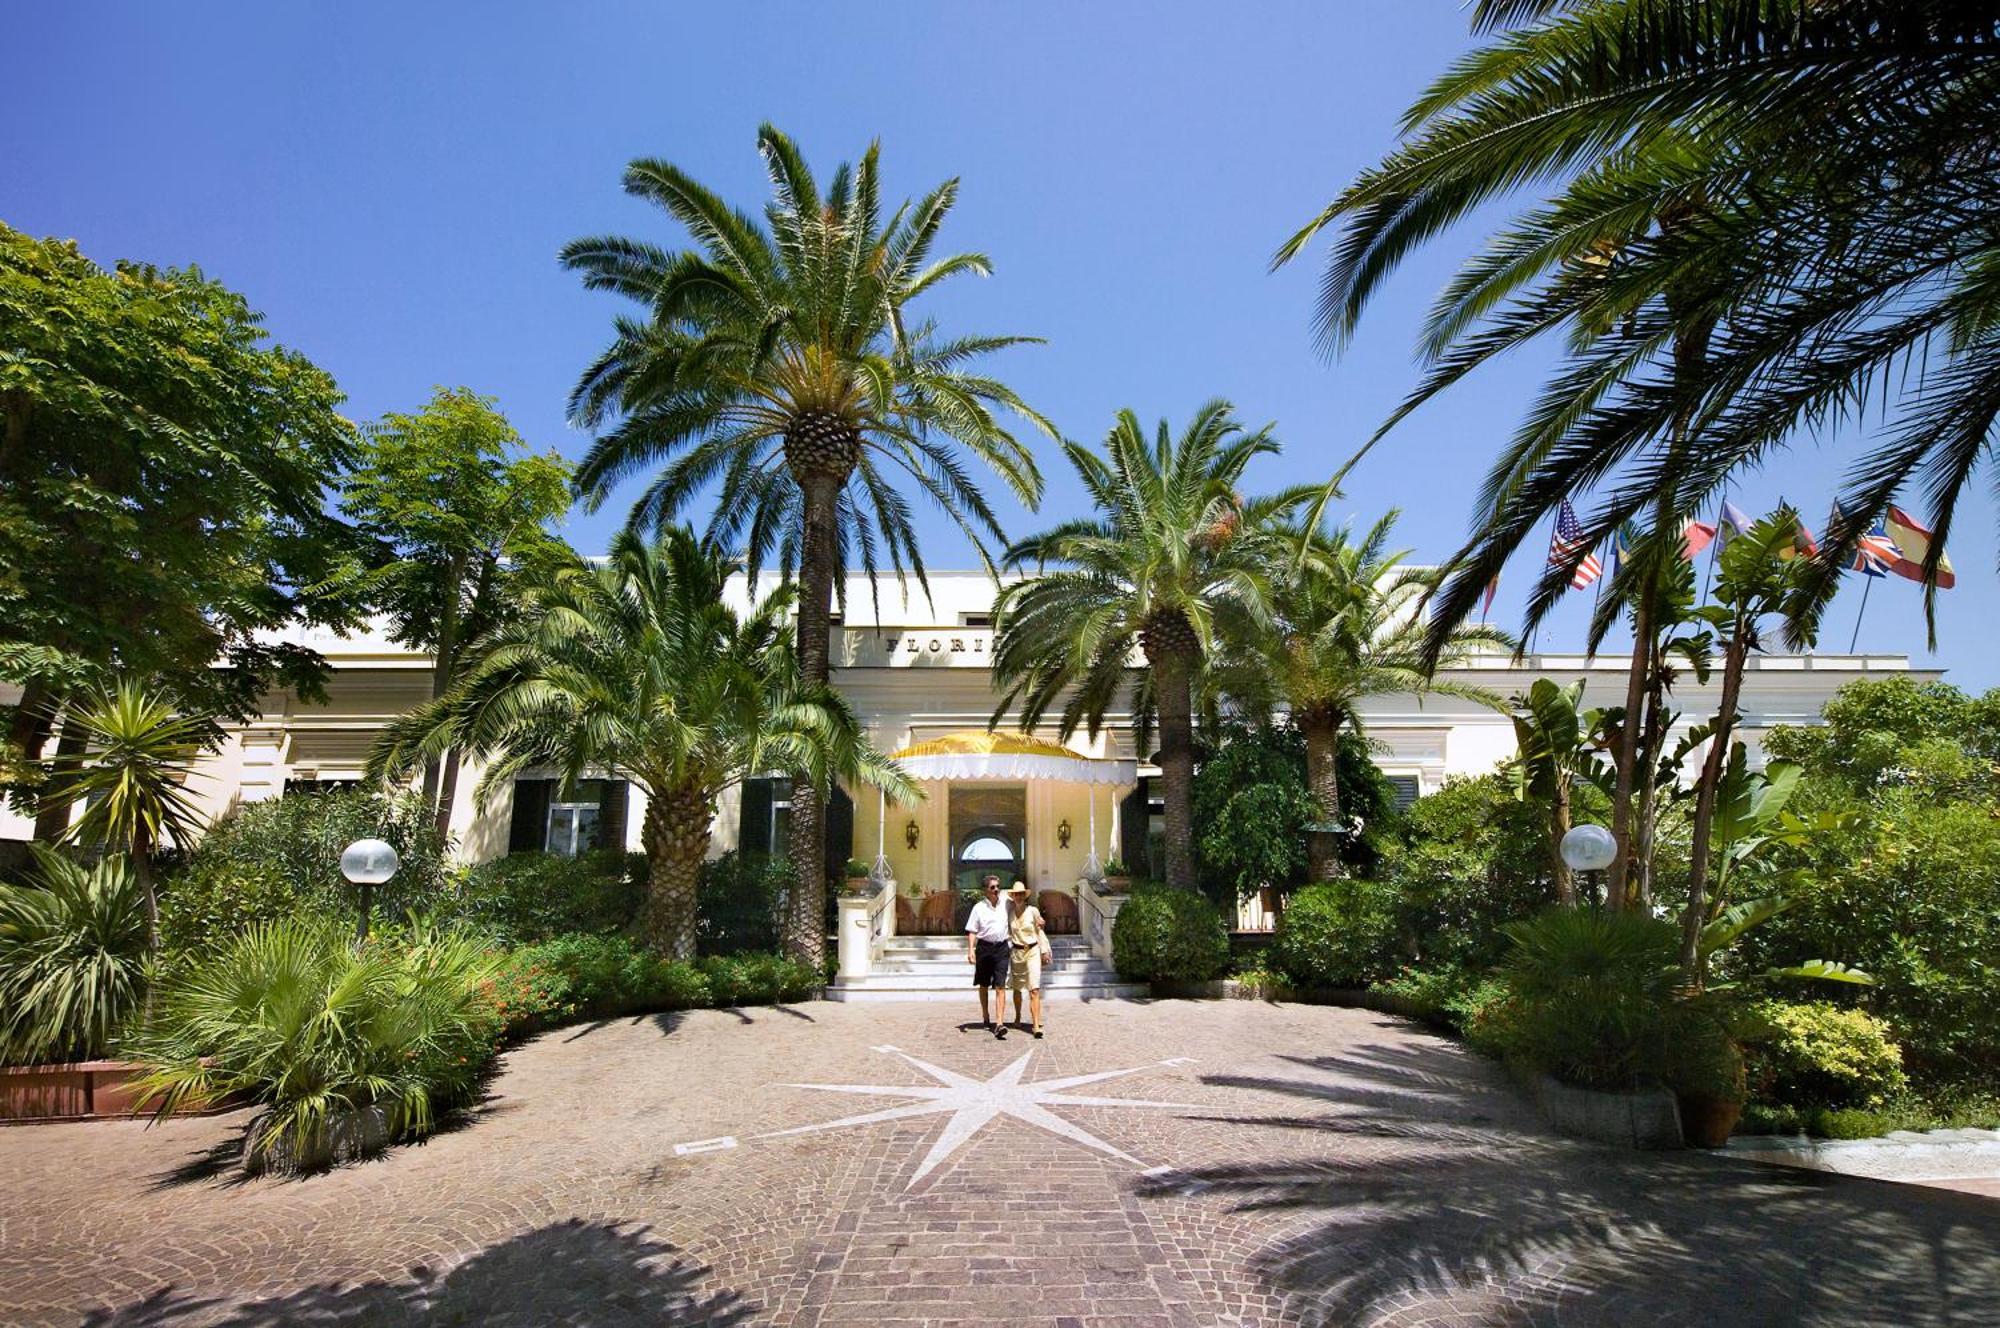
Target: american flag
column 1564, row 542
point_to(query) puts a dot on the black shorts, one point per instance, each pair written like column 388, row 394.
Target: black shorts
column 991, row 962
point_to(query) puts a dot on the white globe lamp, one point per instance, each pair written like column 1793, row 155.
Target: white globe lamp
column 1589, row 848
column 368, row 863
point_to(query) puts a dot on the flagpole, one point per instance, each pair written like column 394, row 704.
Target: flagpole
column 1856, row 638
column 1714, row 547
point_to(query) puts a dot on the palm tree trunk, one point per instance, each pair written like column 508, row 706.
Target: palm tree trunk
column 1173, row 691
column 1646, row 810
column 805, row 914
column 1628, row 750
column 1322, row 734
column 1696, row 914
column 441, row 771
column 142, row 868
column 1559, row 825
column 676, row 832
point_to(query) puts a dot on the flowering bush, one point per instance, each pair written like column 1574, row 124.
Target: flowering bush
column 1812, row 1054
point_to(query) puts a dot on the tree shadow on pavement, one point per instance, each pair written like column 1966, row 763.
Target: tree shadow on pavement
column 602, row 1274
column 1422, row 1187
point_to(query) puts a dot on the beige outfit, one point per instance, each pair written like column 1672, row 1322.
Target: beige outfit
column 1030, row 947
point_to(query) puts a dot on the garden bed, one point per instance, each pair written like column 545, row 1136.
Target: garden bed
column 76, row 1090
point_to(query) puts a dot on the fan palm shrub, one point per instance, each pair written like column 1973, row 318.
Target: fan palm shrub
column 778, row 363
column 1345, row 624
column 1172, row 550
column 73, row 951
column 131, row 775
column 638, row 667
column 318, row 1031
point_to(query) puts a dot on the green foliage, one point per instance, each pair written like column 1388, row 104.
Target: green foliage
column 72, row 959
column 757, row 979
column 291, row 1015
column 1586, row 999
column 1337, row 934
column 594, row 977
column 1813, row 1054
column 1898, row 732
column 1252, row 809
column 279, row 859
column 162, row 477
column 533, row 896
column 1445, row 993
column 1169, row 935
column 1467, row 860
column 740, row 898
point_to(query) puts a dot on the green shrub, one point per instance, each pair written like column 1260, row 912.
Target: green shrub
column 764, row 979
column 533, row 896
column 1447, row 994
column 1848, row 1123
column 1253, row 808
column 291, row 1015
column 739, row 901
column 1337, row 934
column 1586, row 995
column 1812, row 1054
column 1169, row 935
column 72, row 959
column 280, row 859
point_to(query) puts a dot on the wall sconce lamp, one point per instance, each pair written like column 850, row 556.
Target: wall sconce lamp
column 910, row 834
column 1062, row 833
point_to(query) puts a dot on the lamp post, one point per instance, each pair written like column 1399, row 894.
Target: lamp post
column 1588, row 848
column 368, row 863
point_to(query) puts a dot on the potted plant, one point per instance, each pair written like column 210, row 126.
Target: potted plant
column 1704, row 1067
column 857, row 875
column 1117, row 879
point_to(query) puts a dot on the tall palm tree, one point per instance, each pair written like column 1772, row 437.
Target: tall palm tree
column 1172, row 549
column 638, row 667
column 137, row 753
column 1806, row 188
column 1346, row 624
column 777, row 363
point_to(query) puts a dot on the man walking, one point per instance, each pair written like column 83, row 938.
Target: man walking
column 991, row 956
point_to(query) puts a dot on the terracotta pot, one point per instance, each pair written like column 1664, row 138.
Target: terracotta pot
column 1117, row 885
column 1707, row 1121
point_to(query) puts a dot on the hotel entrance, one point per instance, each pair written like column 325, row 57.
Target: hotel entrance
column 989, row 833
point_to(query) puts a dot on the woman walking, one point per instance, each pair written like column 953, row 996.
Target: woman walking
column 1030, row 946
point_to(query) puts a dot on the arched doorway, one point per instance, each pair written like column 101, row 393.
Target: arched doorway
column 989, row 848
column 989, row 833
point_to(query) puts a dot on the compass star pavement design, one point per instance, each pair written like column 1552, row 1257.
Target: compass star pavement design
column 973, row 1103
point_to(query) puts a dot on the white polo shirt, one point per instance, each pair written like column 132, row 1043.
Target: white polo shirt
column 988, row 921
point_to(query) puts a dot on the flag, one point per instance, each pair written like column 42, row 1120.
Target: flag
column 1565, row 541
column 1620, row 552
column 1803, row 544
column 1913, row 545
column 1874, row 552
column 1730, row 524
column 1486, row 600
column 1695, row 536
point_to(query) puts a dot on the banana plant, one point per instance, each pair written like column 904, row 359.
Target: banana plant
column 1555, row 747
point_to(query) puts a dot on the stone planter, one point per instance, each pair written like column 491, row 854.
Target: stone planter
column 1116, row 885
column 77, row 1090
column 1707, row 1121
column 1644, row 1118
column 350, row 1136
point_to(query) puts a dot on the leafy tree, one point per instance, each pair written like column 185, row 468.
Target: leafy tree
column 131, row 776
column 1345, row 625
column 1555, row 751
column 1255, row 809
column 451, row 501
column 163, row 471
column 637, row 666
column 779, row 362
column 1172, row 549
column 1824, row 172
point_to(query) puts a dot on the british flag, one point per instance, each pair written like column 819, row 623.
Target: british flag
column 1875, row 553
column 1564, row 542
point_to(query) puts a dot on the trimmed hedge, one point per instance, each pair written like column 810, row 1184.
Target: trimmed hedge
column 1337, row 934
column 596, row 977
column 1168, row 934
column 535, row 896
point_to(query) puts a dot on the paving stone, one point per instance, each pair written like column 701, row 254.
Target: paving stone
column 1326, row 1166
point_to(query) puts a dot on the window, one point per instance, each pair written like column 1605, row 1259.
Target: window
column 781, row 815
column 975, row 620
column 309, row 785
column 987, row 848
column 1407, row 790
column 572, row 828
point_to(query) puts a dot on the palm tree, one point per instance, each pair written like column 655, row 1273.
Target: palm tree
column 1346, row 624
column 131, row 773
column 637, row 666
column 1172, row 549
column 776, row 362
column 1804, row 188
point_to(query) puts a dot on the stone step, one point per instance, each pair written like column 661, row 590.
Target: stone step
column 962, row 980
column 962, row 991
column 947, row 968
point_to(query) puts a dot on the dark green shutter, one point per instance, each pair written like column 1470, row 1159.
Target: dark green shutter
column 612, row 801
column 753, row 834
column 1133, row 819
column 529, row 830
column 839, row 833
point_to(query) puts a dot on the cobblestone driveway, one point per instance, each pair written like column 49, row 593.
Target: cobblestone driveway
column 1330, row 1166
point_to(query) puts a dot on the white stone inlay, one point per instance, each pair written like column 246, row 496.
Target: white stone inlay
column 973, row 1103
column 715, row 1145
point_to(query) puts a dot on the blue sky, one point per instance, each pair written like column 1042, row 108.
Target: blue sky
column 389, row 184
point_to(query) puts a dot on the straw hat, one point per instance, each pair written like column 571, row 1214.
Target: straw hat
column 1018, row 888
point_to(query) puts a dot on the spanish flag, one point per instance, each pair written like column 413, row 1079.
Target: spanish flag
column 1913, row 544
